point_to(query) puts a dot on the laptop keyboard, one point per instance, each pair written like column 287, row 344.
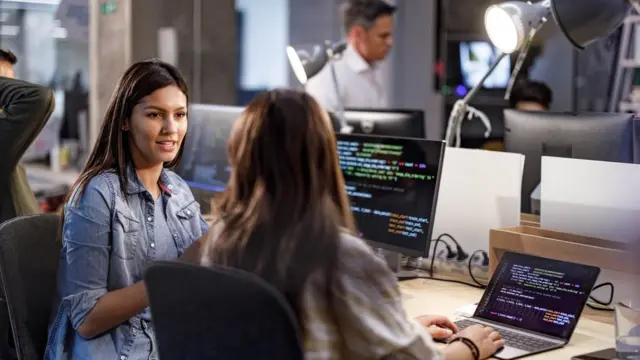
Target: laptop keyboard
column 514, row 339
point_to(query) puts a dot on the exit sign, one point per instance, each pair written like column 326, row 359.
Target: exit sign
column 108, row 7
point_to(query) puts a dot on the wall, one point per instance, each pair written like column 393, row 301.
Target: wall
column 266, row 36
column 556, row 68
column 206, row 47
column 412, row 79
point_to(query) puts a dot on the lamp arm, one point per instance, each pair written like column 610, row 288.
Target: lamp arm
column 344, row 127
column 460, row 107
column 521, row 58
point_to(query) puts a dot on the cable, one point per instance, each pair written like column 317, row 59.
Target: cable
column 599, row 308
column 471, row 272
column 462, row 255
column 603, row 303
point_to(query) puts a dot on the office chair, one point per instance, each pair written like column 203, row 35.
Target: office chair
column 219, row 313
column 29, row 252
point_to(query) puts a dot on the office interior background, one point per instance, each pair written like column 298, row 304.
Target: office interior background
column 228, row 61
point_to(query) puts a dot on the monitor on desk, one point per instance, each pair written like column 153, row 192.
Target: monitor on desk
column 588, row 136
column 204, row 164
column 385, row 122
column 392, row 184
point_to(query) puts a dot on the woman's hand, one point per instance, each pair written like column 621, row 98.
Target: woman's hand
column 440, row 327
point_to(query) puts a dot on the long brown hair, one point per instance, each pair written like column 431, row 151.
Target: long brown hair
column 285, row 202
column 111, row 150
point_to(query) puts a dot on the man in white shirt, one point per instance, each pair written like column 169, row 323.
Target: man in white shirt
column 369, row 27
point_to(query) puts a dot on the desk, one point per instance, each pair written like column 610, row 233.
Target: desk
column 423, row 297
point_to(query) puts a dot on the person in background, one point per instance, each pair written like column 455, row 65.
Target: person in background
column 527, row 95
column 25, row 109
column 369, row 28
column 126, row 210
column 285, row 217
column 531, row 95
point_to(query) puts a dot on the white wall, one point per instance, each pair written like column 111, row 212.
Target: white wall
column 266, row 35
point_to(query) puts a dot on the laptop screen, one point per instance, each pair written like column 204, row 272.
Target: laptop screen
column 537, row 294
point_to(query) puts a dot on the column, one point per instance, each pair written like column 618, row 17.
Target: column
column 39, row 55
column 205, row 46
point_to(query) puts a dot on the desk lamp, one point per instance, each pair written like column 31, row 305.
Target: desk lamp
column 308, row 61
column 510, row 26
column 513, row 24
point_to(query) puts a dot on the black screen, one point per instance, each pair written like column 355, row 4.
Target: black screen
column 392, row 185
column 538, row 294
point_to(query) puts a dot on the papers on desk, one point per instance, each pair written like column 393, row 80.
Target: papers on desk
column 591, row 198
column 479, row 191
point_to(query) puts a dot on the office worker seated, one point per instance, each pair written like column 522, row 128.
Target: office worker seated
column 369, row 28
column 527, row 95
column 285, row 216
column 126, row 210
column 530, row 95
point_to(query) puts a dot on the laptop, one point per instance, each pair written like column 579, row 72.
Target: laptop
column 533, row 302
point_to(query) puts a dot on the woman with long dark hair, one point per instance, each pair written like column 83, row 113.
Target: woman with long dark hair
column 125, row 210
column 285, row 217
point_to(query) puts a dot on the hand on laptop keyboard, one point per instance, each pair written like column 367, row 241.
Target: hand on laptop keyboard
column 486, row 339
column 513, row 339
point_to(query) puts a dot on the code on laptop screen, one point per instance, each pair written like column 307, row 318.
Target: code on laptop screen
column 537, row 294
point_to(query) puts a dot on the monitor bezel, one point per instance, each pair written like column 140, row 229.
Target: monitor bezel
column 399, row 249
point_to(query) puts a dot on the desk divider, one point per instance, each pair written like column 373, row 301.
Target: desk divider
column 530, row 220
column 606, row 254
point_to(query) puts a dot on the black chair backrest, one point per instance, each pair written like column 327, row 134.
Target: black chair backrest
column 29, row 253
column 219, row 313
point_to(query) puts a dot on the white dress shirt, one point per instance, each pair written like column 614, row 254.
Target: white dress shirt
column 360, row 85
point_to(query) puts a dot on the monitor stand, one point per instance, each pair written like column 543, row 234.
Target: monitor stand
column 394, row 261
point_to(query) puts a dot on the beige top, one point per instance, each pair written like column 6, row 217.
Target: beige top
column 368, row 319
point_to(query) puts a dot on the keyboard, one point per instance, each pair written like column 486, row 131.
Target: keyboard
column 514, row 339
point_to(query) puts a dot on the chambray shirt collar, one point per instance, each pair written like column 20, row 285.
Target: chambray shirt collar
column 135, row 185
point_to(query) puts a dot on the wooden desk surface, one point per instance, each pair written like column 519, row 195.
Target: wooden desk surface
column 422, row 296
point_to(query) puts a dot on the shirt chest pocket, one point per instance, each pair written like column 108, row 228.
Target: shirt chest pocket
column 189, row 223
column 126, row 236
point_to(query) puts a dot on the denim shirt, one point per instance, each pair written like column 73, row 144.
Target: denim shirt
column 108, row 240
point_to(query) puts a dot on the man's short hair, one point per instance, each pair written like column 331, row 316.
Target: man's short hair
column 364, row 12
column 531, row 91
column 8, row 56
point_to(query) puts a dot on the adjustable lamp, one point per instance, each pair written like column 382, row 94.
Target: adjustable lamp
column 308, row 61
column 586, row 21
column 512, row 25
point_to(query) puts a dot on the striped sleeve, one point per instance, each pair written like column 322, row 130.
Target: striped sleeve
column 369, row 309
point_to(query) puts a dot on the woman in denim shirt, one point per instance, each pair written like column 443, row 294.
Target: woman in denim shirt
column 125, row 210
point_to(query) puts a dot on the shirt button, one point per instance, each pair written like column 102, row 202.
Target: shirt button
column 123, row 357
column 150, row 218
column 153, row 245
column 188, row 212
column 175, row 236
column 170, row 186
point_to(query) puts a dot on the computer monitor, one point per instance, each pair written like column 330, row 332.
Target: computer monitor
column 385, row 122
column 392, row 185
column 476, row 57
column 204, row 164
column 588, row 136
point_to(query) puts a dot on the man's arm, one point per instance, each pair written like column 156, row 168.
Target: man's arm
column 25, row 109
